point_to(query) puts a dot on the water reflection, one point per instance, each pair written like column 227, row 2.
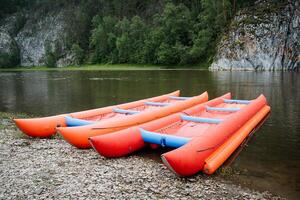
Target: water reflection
column 271, row 158
column 269, row 161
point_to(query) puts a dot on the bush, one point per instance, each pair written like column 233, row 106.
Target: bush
column 9, row 51
column 78, row 53
column 103, row 39
column 51, row 54
column 8, row 60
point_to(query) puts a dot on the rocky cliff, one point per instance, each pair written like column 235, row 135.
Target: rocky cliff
column 265, row 37
column 25, row 36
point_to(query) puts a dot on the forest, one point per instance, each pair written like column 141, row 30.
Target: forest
column 177, row 32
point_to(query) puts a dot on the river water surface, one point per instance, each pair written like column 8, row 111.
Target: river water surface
column 270, row 160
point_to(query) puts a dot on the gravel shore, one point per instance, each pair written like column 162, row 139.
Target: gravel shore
column 53, row 169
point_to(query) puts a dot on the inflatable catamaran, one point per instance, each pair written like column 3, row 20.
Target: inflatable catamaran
column 46, row 126
column 201, row 134
column 202, row 137
column 125, row 118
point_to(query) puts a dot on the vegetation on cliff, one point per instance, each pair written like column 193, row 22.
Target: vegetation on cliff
column 166, row 32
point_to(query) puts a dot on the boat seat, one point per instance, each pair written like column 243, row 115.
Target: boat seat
column 179, row 98
column 237, row 101
column 124, row 111
column 151, row 103
column 163, row 139
column 201, row 119
column 208, row 108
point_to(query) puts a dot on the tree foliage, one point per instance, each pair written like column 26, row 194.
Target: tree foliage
column 78, row 53
column 166, row 32
column 175, row 36
column 52, row 53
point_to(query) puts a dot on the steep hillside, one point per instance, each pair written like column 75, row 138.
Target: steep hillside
column 35, row 33
column 263, row 37
column 64, row 32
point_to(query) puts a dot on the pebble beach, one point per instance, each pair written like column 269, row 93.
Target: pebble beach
column 53, row 169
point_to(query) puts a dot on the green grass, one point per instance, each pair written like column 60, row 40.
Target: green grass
column 6, row 123
column 10, row 116
column 108, row 67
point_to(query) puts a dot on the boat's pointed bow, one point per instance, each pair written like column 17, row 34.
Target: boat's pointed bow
column 181, row 161
column 103, row 145
column 76, row 136
column 18, row 122
column 32, row 128
column 205, row 94
column 40, row 127
column 169, row 164
column 93, row 143
column 64, row 132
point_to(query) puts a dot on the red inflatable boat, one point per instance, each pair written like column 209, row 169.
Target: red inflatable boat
column 78, row 136
column 46, row 126
column 126, row 141
column 203, row 136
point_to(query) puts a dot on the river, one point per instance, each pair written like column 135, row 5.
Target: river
column 269, row 161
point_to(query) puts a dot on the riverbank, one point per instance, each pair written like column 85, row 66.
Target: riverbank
column 108, row 67
column 51, row 168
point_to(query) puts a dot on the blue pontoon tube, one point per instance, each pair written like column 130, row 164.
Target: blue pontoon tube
column 208, row 108
column 124, row 111
column 179, row 98
column 237, row 101
column 150, row 103
column 163, row 139
column 70, row 121
column 201, row 119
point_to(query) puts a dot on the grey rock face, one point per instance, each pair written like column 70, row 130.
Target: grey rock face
column 269, row 39
column 27, row 35
column 36, row 33
column 67, row 60
column 13, row 23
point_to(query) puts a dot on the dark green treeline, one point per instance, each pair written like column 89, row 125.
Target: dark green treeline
column 177, row 32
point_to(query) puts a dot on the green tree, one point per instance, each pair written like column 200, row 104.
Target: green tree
column 201, row 47
column 103, row 39
column 176, row 34
column 123, row 44
column 151, row 45
column 50, row 56
column 52, row 53
column 77, row 26
column 211, row 23
column 78, row 53
column 138, row 32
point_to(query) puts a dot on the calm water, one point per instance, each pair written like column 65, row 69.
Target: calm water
column 271, row 159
